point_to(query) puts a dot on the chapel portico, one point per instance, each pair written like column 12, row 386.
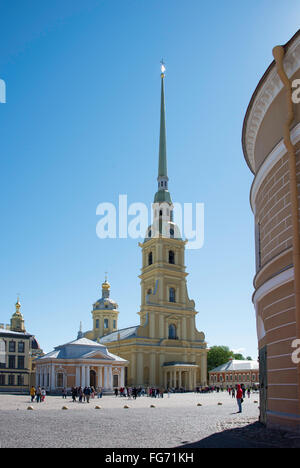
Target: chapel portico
column 80, row 363
column 180, row 375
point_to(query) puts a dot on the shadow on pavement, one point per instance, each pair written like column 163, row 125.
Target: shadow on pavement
column 250, row 436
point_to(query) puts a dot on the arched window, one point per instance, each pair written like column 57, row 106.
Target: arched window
column 160, row 212
column 172, row 296
column 106, row 323
column 149, row 291
column 97, row 323
column 172, row 233
column 172, row 332
column 171, row 257
column 150, row 258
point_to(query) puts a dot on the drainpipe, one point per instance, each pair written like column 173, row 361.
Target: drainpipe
column 278, row 54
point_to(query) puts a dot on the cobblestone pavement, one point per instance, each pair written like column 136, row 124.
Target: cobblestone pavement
column 177, row 421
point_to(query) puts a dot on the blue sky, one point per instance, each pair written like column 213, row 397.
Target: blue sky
column 81, row 126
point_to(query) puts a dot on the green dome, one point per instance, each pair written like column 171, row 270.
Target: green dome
column 162, row 196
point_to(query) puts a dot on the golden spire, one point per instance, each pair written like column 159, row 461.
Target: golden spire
column 162, row 68
column 18, row 306
column 106, row 284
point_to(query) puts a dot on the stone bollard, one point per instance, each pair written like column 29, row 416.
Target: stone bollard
column 152, row 406
column 65, row 408
column 199, row 404
column 126, row 406
column 220, row 404
column 30, row 408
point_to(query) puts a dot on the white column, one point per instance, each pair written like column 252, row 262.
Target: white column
column 83, row 376
column 105, row 377
column 122, row 377
column 87, row 378
column 99, row 376
column 179, row 378
column 52, row 380
column 110, row 383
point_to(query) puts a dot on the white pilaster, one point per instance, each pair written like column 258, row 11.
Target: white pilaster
column 122, row 377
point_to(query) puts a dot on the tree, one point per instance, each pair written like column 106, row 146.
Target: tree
column 239, row 357
column 218, row 355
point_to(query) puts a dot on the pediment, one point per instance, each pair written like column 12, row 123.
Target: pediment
column 98, row 355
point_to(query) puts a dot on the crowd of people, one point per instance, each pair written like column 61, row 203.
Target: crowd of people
column 37, row 394
column 84, row 394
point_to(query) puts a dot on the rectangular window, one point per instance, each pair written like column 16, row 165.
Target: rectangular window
column 2, row 379
column 12, row 347
column 257, row 246
column 20, row 380
column 21, row 347
column 11, row 380
column 11, row 362
column 20, row 362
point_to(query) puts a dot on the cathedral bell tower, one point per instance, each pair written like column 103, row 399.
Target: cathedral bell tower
column 17, row 320
column 105, row 314
column 166, row 310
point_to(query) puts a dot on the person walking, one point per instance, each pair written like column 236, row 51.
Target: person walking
column 74, row 394
column 43, row 394
column 32, row 393
column 239, row 397
column 38, row 395
column 64, row 393
column 87, row 392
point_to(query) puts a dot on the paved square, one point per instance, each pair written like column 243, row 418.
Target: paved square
column 174, row 422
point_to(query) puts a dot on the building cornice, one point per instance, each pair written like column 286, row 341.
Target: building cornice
column 273, row 283
column 266, row 91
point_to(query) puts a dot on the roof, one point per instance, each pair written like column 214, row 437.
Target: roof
column 80, row 349
column 237, row 365
column 4, row 331
column 123, row 334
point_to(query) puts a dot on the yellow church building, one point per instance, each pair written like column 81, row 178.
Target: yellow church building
column 165, row 349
